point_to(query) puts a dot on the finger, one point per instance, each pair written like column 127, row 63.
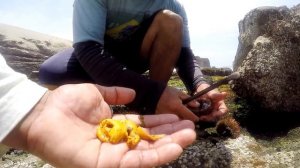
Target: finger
column 102, row 112
column 107, row 150
column 219, row 108
column 183, row 137
column 215, row 97
column 151, row 157
column 159, row 119
column 214, row 116
column 116, row 95
column 148, row 120
column 193, row 103
column 172, row 127
column 222, row 108
column 185, row 113
column 132, row 117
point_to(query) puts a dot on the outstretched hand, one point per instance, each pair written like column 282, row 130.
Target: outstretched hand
column 219, row 107
column 61, row 129
column 171, row 102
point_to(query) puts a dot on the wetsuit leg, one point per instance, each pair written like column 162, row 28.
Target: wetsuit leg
column 62, row 68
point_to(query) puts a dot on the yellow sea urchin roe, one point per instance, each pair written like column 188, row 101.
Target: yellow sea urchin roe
column 115, row 131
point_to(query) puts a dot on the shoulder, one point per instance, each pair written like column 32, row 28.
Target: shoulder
column 80, row 3
column 177, row 5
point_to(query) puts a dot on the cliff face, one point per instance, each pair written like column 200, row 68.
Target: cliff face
column 25, row 50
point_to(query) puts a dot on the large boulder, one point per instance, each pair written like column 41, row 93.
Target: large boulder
column 268, row 58
column 25, row 50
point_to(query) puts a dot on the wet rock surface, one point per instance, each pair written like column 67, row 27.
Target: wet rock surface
column 210, row 151
column 247, row 151
column 268, row 58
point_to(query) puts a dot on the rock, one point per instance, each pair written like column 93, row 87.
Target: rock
column 203, row 62
column 3, row 149
column 245, row 151
column 268, row 58
column 25, row 50
column 208, row 150
column 216, row 71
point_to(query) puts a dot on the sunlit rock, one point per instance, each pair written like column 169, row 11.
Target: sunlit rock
column 268, row 58
column 25, row 50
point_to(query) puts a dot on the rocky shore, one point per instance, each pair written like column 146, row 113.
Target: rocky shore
column 210, row 151
column 269, row 138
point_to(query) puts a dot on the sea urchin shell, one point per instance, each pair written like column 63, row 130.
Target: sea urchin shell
column 228, row 127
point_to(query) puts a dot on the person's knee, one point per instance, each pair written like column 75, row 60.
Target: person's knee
column 46, row 73
column 169, row 21
column 165, row 33
column 52, row 70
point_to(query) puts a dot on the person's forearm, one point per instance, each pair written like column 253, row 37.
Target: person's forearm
column 18, row 136
column 18, row 95
column 106, row 70
column 189, row 70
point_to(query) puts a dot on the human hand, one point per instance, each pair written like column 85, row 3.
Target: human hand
column 61, row 129
column 171, row 102
column 178, row 134
column 219, row 107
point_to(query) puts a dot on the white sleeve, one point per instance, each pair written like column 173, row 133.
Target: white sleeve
column 18, row 95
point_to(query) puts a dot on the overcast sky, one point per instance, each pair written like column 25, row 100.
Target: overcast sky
column 213, row 24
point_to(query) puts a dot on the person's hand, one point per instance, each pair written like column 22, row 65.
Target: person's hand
column 178, row 134
column 219, row 107
column 61, row 129
column 171, row 102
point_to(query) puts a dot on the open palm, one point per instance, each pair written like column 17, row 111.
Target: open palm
column 61, row 129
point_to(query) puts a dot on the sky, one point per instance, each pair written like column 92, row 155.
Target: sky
column 213, row 25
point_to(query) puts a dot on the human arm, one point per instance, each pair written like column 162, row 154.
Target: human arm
column 171, row 99
column 106, row 70
column 189, row 71
column 61, row 129
column 17, row 96
column 89, row 24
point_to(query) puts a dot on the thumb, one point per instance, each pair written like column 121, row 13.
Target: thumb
column 116, row 95
column 218, row 96
column 193, row 103
column 185, row 113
